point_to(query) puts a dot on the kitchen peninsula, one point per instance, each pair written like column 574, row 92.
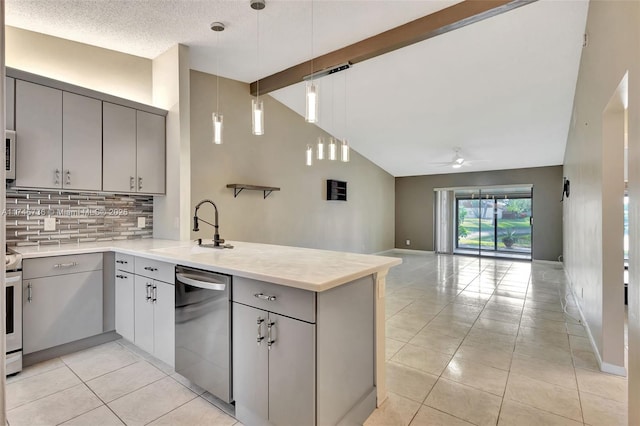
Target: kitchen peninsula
column 338, row 305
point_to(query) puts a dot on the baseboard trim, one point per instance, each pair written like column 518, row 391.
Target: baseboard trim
column 68, row 348
column 548, row 262
column 604, row 366
column 613, row 369
column 410, row 251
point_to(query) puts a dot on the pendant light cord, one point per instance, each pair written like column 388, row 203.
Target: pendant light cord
column 258, row 49
column 312, row 57
column 218, row 73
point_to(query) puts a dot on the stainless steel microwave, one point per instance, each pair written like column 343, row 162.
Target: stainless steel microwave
column 10, row 154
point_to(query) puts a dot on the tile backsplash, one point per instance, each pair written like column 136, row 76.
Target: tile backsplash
column 79, row 217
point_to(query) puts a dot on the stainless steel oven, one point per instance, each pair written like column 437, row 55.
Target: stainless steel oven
column 13, row 293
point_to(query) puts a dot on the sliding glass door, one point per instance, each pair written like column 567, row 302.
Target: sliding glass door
column 496, row 223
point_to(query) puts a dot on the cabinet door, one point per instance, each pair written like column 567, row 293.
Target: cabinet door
column 61, row 309
column 82, row 142
column 143, row 313
column 10, row 97
column 125, row 305
column 119, row 148
column 292, row 372
column 150, row 153
column 250, row 363
column 164, row 322
column 39, row 136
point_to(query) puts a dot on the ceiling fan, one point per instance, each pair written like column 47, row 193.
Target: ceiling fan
column 457, row 161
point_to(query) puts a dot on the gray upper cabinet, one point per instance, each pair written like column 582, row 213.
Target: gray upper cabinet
column 39, row 136
column 150, row 157
column 10, row 116
column 77, row 139
column 119, row 148
column 133, row 150
column 82, row 142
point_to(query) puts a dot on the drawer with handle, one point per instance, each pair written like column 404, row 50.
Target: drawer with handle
column 157, row 270
column 288, row 301
column 61, row 265
column 124, row 262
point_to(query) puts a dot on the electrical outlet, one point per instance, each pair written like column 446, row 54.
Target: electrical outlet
column 142, row 222
column 49, row 223
column 408, row 242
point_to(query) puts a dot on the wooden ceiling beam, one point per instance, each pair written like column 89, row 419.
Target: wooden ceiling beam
column 440, row 22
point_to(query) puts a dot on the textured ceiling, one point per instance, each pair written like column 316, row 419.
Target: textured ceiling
column 501, row 89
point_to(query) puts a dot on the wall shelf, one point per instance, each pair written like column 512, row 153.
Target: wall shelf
column 336, row 190
column 238, row 187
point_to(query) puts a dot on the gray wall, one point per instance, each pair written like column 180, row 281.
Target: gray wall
column 415, row 198
column 299, row 214
column 594, row 162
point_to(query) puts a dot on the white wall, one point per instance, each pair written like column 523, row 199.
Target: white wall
column 594, row 164
column 171, row 92
column 99, row 69
column 298, row 214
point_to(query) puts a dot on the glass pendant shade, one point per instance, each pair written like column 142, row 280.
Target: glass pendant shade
column 309, row 155
column 320, row 148
column 257, row 114
column 312, row 103
column 333, row 149
column 217, row 128
column 344, row 151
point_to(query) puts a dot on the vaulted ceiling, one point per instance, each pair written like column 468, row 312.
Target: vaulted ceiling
column 501, row 89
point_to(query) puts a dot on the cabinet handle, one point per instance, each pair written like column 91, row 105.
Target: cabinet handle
column 29, row 290
column 122, row 262
column 65, row 265
column 68, row 177
column 149, row 268
column 270, row 340
column 139, row 184
column 148, row 292
column 122, row 277
column 260, row 337
column 265, row 297
column 155, row 293
column 56, row 177
column 132, row 183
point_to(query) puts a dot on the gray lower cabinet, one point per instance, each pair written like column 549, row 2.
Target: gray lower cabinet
column 154, row 318
column 62, row 300
column 124, row 305
column 273, row 368
column 302, row 358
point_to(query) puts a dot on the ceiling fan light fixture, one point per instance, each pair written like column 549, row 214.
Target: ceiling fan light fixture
column 456, row 165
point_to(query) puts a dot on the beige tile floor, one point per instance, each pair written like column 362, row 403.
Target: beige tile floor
column 486, row 342
column 469, row 341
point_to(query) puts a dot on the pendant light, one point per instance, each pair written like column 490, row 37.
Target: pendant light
column 257, row 107
column 344, row 148
column 311, row 115
column 216, row 117
column 333, row 149
column 320, row 148
column 309, row 155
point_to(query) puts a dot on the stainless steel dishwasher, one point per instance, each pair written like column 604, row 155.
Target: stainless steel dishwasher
column 203, row 329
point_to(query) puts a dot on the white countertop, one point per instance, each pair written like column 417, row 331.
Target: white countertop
column 308, row 269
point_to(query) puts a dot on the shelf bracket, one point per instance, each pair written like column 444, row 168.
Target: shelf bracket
column 237, row 191
column 267, row 193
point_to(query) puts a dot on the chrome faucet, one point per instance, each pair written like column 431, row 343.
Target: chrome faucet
column 216, row 237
